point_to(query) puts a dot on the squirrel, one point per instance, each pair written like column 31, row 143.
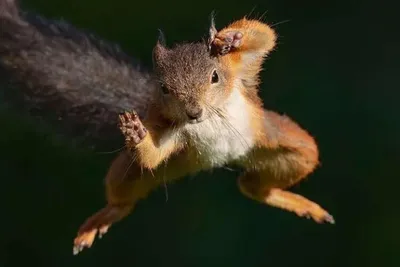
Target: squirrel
column 208, row 114
column 200, row 110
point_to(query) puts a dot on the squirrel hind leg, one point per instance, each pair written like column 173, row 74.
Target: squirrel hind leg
column 270, row 193
column 98, row 223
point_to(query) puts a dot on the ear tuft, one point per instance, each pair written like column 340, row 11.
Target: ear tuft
column 212, row 31
column 161, row 38
column 160, row 50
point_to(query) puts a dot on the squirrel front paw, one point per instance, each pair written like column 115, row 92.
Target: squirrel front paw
column 132, row 128
column 225, row 41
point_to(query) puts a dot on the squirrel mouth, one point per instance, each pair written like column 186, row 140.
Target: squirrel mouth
column 195, row 121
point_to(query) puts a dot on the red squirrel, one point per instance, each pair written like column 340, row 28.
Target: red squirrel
column 198, row 110
column 206, row 114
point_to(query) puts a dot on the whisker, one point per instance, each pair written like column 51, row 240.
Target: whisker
column 251, row 12
column 226, row 122
column 227, row 168
column 113, row 151
column 279, row 23
column 165, row 182
column 263, row 15
column 230, row 127
column 238, row 134
column 174, row 127
column 130, row 165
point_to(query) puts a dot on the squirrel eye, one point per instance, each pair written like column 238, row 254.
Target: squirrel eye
column 164, row 89
column 214, row 77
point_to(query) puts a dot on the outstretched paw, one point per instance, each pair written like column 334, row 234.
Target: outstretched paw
column 132, row 128
column 225, row 41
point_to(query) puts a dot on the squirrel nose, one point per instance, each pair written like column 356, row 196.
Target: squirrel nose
column 194, row 114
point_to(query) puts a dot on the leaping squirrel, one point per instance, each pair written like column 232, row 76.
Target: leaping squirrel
column 200, row 110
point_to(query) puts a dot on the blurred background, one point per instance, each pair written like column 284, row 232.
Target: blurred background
column 335, row 71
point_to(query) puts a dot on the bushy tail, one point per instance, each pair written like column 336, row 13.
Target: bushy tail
column 9, row 8
column 71, row 79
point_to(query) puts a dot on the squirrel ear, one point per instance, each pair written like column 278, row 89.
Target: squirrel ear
column 160, row 50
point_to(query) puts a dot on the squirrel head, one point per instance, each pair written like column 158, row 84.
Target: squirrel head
column 193, row 83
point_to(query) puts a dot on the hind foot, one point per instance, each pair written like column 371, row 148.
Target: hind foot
column 299, row 205
column 99, row 223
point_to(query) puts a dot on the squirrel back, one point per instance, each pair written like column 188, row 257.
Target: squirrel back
column 76, row 81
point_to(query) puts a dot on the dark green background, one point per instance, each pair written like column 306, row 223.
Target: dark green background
column 333, row 71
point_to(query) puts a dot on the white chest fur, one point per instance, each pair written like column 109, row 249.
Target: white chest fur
column 220, row 140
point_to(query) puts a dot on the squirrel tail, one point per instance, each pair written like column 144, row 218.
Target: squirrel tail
column 9, row 8
column 67, row 77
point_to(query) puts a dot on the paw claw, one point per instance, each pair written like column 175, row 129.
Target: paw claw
column 103, row 230
column 329, row 219
column 78, row 248
column 315, row 212
column 321, row 216
column 121, row 118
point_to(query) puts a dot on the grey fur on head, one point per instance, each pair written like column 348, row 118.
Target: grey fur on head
column 191, row 59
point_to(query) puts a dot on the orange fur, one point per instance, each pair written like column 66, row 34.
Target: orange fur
column 150, row 154
column 281, row 152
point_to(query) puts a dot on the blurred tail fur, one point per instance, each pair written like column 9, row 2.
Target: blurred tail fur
column 68, row 77
column 9, row 8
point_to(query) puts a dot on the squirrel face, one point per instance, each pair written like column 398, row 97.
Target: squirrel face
column 193, row 84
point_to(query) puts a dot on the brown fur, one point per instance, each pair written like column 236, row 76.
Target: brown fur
column 278, row 152
column 185, row 70
column 193, row 121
